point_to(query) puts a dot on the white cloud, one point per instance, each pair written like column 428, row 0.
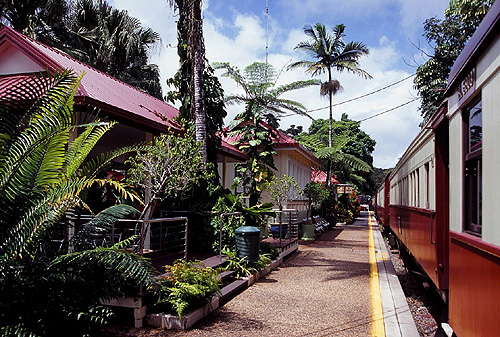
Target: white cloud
column 414, row 13
column 240, row 38
column 339, row 8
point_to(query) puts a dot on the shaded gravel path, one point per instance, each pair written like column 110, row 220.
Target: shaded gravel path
column 322, row 290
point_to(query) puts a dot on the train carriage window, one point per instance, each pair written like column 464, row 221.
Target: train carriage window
column 427, row 185
column 473, row 168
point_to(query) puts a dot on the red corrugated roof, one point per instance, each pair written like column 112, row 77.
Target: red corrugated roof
column 282, row 140
column 232, row 151
column 320, row 177
column 9, row 81
column 97, row 88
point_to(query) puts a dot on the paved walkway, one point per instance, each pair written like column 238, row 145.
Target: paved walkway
column 325, row 289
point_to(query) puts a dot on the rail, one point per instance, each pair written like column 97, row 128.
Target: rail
column 288, row 218
column 166, row 235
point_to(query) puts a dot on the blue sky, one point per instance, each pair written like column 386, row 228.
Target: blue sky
column 235, row 32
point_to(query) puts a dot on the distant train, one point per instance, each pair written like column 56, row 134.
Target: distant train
column 442, row 199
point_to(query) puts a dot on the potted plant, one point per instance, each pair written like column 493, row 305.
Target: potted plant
column 281, row 190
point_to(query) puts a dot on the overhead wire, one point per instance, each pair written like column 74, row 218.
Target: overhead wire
column 386, row 111
column 362, row 96
column 365, row 95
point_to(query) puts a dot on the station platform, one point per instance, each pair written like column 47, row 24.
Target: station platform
column 342, row 284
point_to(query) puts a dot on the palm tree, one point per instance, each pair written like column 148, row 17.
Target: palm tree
column 93, row 32
column 39, row 19
column 41, row 177
column 113, row 42
column 330, row 52
column 255, row 128
column 191, row 49
column 335, row 153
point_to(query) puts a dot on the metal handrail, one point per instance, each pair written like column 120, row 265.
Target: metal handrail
column 144, row 223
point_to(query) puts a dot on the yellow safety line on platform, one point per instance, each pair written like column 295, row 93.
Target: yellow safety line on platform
column 377, row 322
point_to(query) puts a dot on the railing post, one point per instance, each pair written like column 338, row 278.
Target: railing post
column 186, row 239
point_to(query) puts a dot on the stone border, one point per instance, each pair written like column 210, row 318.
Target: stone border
column 168, row 321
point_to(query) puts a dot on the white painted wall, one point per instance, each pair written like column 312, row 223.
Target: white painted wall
column 491, row 161
column 408, row 181
column 13, row 61
column 456, row 174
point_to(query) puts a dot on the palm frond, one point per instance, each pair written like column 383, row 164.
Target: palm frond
column 355, row 163
column 96, row 165
column 130, row 266
column 80, row 147
column 293, row 86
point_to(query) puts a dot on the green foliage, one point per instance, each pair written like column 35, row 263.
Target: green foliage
column 329, row 52
column 226, row 204
column 251, row 216
column 41, row 177
column 351, row 152
column 239, row 265
column 242, row 267
column 316, row 194
column 267, row 249
column 187, row 285
column 282, row 190
column 347, row 207
column 171, row 164
column 449, row 36
column 293, row 130
column 215, row 106
column 255, row 129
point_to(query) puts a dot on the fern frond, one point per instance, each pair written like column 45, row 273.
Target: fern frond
column 130, row 266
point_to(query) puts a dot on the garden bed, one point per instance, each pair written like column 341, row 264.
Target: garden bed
column 169, row 321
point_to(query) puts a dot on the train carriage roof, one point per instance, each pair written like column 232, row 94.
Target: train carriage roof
column 485, row 33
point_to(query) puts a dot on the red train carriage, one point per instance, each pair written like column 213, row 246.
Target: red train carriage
column 442, row 199
column 473, row 116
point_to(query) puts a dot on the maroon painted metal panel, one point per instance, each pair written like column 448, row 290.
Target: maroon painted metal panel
column 416, row 228
column 474, row 297
column 441, row 153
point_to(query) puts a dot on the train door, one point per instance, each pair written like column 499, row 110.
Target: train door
column 441, row 230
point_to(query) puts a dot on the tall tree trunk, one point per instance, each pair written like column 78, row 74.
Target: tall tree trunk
column 198, row 62
column 330, row 129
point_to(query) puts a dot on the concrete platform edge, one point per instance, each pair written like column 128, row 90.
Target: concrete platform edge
column 398, row 320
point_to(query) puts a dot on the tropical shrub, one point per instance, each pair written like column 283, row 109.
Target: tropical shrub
column 251, row 216
column 225, row 235
column 171, row 164
column 244, row 268
column 282, row 190
column 41, row 178
column 316, row 194
column 187, row 285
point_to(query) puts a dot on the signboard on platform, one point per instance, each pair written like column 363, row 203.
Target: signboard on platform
column 344, row 188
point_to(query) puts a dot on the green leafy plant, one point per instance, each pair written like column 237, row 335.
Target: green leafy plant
column 254, row 131
column 42, row 176
column 187, row 285
column 251, row 216
column 316, row 194
column 267, row 249
column 239, row 265
column 230, row 223
column 244, row 268
column 170, row 164
column 282, row 190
